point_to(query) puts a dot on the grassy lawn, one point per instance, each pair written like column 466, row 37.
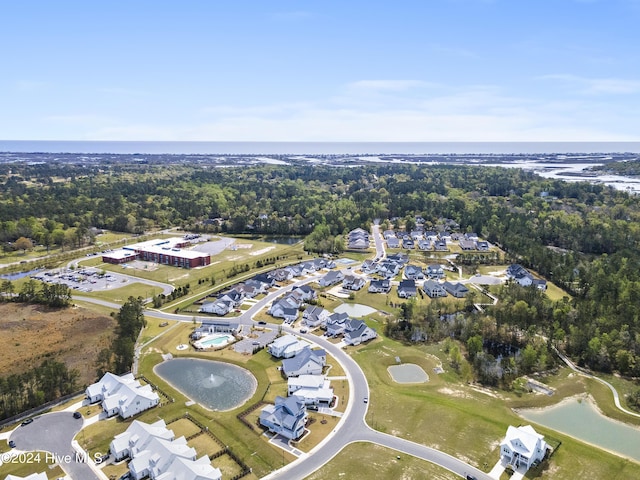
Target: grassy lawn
column 454, row 417
column 227, row 465
column 183, row 427
column 31, row 462
column 319, row 427
column 374, row 461
column 204, row 445
column 96, row 438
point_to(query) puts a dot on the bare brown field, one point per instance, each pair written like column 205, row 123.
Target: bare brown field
column 29, row 334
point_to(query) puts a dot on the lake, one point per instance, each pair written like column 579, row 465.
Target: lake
column 581, row 419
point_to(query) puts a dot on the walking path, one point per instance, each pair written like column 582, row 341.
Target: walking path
column 575, row 368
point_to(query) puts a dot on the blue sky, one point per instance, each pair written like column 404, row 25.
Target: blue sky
column 416, row 70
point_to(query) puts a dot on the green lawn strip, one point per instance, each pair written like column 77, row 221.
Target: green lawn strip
column 374, row 461
column 121, row 292
column 227, row 465
column 26, row 463
column 153, row 328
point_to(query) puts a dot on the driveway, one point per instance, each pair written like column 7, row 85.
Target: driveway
column 53, row 433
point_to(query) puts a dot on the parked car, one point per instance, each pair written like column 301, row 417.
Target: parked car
column 27, row 422
column 366, row 400
column 262, row 322
column 12, row 444
column 77, row 415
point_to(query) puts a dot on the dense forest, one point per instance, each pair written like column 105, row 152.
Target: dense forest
column 583, row 237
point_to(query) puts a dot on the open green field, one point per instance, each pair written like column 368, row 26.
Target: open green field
column 374, row 461
column 469, row 422
column 122, row 293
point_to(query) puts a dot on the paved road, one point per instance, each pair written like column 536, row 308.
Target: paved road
column 377, row 239
column 53, row 433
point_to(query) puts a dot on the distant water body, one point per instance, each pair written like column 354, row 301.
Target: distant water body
column 316, row 148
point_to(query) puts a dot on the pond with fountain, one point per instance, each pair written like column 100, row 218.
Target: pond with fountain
column 214, row 385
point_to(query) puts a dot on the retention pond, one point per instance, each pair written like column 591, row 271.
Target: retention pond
column 580, row 418
column 214, row 385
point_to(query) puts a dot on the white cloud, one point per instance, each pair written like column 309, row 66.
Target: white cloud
column 596, row 86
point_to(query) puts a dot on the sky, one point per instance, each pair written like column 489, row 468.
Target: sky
column 256, row 70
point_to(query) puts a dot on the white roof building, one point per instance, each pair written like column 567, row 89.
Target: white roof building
column 122, row 396
column 523, row 446
column 155, row 453
column 311, row 389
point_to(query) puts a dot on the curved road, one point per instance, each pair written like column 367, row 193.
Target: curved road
column 352, row 426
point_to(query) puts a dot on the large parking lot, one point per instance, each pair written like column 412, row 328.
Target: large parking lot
column 83, row 280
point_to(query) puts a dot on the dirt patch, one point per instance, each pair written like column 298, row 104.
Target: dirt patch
column 30, row 334
column 453, row 393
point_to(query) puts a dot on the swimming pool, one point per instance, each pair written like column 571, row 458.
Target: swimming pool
column 214, row 340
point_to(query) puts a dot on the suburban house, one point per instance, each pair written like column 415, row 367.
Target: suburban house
column 123, row 396
column 424, row 245
column 482, row 246
column 387, row 234
column 407, row 289
column 331, row 278
column 353, row 282
column 389, row 268
column 306, row 362
column 441, row 245
column 358, row 239
column 431, row 235
column 314, row 316
column 471, row 236
column 434, row 289
column 311, row 389
column 287, row 306
column 435, row 271
column 282, row 274
column 393, row 242
column 379, row 286
column 136, row 436
column 360, row 334
column 468, row 244
column 416, row 234
column 214, row 326
column 335, row 324
column 408, row 244
column 287, row 417
column 522, row 446
column 524, row 277
column 458, row 290
column 219, row 307
column 413, row 272
column 287, row 346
